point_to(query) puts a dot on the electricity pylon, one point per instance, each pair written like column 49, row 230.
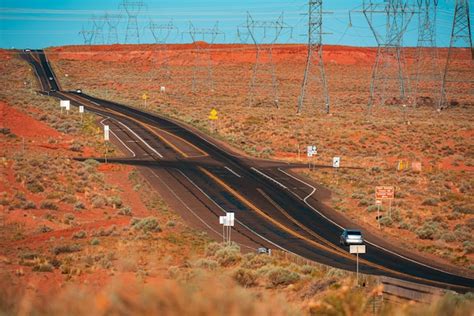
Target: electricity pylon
column 87, row 36
column 161, row 34
column 427, row 73
column 98, row 22
column 112, row 21
column 264, row 35
column 202, row 39
column 389, row 62
column 455, row 69
column 314, row 70
column 133, row 9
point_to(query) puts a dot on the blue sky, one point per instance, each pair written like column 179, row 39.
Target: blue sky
column 43, row 23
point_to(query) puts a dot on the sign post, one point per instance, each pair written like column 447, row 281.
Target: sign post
column 227, row 222
column 357, row 249
column 145, row 97
column 65, row 104
column 311, row 151
column 385, row 193
column 213, row 118
column 81, row 111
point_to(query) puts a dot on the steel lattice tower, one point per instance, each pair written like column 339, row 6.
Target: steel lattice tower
column 202, row 53
column 314, row 60
column 87, row 35
column 389, row 63
column 133, row 9
column 161, row 34
column 98, row 22
column 427, row 74
column 455, row 70
column 264, row 35
column 112, row 21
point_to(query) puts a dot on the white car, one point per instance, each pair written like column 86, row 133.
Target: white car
column 351, row 237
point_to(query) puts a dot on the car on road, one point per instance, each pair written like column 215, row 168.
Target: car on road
column 263, row 250
column 50, row 78
column 27, row 50
column 78, row 91
column 351, row 237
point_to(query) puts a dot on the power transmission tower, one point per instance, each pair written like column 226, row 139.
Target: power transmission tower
column 87, row 35
column 112, row 21
column 202, row 39
column 314, row 70
column 455, row 69
column 161, row 34
column 98, row 22
column 264, row 35
column 133, row 9
column 427, row 73
column 388, row 70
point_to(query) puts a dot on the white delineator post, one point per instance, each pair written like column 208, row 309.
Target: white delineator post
column 106, row 139
column 81, row 111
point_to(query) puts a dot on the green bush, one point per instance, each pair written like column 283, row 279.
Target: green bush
column 148, row 224
column 280, row 276
column 258, row 261
column 66, row 249
column 448, row 237
column 34, row 186
column 43, row 267
column 212, row 248
column 428, row 230
column 95, row 242
column 430, row 202
column 228, row 255
column 125, row 211
column 79, row 235
column 206, row 263
column 98, row 201
column 44, row 229
column 49, row 205
column 68, row 218
column 386, row 221
column 245, row 277
column 468, row 247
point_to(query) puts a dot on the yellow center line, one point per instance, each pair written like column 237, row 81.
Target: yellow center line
column 296, row 234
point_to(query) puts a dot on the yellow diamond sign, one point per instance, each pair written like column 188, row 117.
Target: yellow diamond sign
column 213, row 115
column 145, row 96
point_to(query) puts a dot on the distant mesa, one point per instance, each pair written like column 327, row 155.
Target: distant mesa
column 201, row 43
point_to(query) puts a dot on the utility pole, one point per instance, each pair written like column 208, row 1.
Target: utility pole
column 264, row 35
column 87, row 35
column 133, row 9
column 314, row 62
column 203, row 39
column 389, row 63
column 427, row 73
column 161, row 33
column 455, row 69
column 112, row 21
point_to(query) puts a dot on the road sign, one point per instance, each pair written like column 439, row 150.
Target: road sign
column 384, row 193
column 81, row 109
column 230, row 219
column 213, row 115
column 162, row 89
column 106, row 132
column 378, row 202
column 357, row 248
column 65, row 104
column 336, row 161
column 145, row 96
column 311, row 151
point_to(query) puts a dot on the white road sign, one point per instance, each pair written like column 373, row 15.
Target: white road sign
column 230, row 219
column 106, row 132
column 336, row 162
column 357, row 249
column 65, row 104
column 81, row 109
column 311, row 151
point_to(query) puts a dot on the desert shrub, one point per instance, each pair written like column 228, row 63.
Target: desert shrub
column 79, row 206
column 115, row 201
column 125, row 211
column 79, row 235
column 386, row 221
column 95, row 241
column 171, row 223
column 148, row 224
column 280, row 276
column 34, row 186
column 44, row 229
column 69, row 199
column 212, row 248
column 68, row 218
column 430, row 202
column 464, row 209
column 66, row 249
column 75, row 146
column 448, row 237
column 364, row 202
column 373, row 208
column 307, row 269
column 206, row 263
column 49, row 205
column 43, row 267
column 468, row 247
column 470, row 223
column 462, row 233
column 358, row 196
column 258, row 261
column 98, row 201
column 228, row 255
column 428, row 230
column 28, row 205
column 346, row 301
column 454, row 215
column 245, row 277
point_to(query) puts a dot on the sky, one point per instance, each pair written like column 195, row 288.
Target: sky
column 45, row 23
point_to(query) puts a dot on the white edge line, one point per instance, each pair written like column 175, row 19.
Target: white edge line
column 141, row 139
column 369, row 242
column 233, row 172
column 268, row 177
column 243, row 225
column 112, row 132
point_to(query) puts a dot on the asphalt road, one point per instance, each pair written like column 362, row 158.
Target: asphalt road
column 275, row 208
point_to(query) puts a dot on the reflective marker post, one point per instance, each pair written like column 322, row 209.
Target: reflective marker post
column 106, row 139
column 357, row 249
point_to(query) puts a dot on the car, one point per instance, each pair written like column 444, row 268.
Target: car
column 351, row 237
column 78, row 91
column 27, row 50
column 51, row 78
column 263, row 250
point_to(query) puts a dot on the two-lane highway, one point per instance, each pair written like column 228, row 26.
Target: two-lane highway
column 273, row 206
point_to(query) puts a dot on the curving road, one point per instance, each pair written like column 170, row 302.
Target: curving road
column 275, row 208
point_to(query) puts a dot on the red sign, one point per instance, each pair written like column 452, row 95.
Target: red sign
column 384, row 193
